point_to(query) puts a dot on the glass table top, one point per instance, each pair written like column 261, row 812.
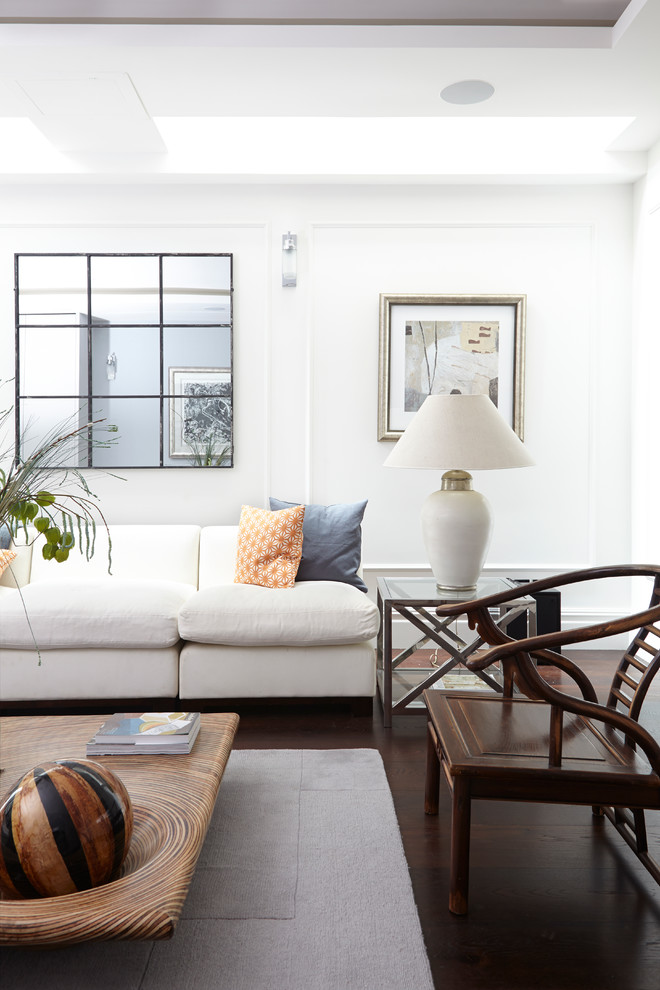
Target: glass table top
column 424, row 589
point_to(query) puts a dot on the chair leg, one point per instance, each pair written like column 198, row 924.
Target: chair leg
column 432, row 785
column 640, row 831
column 460, row 846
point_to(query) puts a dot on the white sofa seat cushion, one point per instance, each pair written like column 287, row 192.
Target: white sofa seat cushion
column 110, row 614
column 312, row 613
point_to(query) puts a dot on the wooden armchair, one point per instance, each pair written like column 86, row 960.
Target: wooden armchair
column 550, row 746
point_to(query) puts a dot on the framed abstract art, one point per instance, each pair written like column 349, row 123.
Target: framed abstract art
column 439, row 345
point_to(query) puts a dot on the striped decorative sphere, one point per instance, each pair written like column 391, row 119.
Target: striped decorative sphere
column 65, row 826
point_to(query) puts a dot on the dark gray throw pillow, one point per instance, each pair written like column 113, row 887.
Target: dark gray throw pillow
column 332, row 542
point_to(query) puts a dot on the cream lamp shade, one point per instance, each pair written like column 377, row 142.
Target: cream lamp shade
column 457, row 434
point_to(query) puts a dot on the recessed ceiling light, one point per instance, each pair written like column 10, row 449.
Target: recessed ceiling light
column 467, row 91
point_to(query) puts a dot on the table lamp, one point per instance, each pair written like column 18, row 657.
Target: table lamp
column 454, row 434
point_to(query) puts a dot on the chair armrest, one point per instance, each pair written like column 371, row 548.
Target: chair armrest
column 635, row 734
column 574, row 671
column 563, row 637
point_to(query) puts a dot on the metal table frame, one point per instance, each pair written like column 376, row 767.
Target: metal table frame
column 419, row 611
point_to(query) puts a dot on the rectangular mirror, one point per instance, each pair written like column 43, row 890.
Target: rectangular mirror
column 197, row 290
column 143, row 341
column 125, row 290
column 53, row 289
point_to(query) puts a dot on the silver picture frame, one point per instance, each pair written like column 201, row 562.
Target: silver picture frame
column 439, row 344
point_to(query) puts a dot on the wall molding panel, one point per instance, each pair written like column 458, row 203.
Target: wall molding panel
column 306, row 358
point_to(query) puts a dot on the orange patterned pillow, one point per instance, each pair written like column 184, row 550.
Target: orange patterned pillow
column 269, row 546
column 6, row 557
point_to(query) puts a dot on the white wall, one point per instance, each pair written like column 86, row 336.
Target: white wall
column 646, row 362
column 306, row 359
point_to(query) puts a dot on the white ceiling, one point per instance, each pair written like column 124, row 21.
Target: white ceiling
column 327, row 90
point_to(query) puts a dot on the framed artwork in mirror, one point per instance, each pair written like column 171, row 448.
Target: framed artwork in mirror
column 201, row 415
column 444, row 344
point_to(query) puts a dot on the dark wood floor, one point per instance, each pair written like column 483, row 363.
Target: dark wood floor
column 558, row 901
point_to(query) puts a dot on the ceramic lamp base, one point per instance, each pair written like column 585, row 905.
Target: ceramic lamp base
column 456, row 526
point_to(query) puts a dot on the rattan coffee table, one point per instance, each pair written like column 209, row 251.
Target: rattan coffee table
column 173, row 799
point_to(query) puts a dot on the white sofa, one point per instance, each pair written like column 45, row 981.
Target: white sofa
column 170, row 623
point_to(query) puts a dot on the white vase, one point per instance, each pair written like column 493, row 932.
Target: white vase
column 456, row 526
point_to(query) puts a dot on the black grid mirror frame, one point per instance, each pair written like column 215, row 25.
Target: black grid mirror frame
column 140, row 341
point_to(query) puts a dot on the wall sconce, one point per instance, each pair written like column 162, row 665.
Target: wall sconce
column 289, row 259
column 111, row 366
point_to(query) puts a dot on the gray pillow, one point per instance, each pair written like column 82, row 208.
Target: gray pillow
column 332, row 542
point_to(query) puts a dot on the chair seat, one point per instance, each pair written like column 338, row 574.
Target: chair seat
column 502, row 746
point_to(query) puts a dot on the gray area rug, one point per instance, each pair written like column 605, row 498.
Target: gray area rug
column 302, row 884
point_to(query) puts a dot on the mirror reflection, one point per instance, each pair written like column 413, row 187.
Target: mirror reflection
column 143, row 342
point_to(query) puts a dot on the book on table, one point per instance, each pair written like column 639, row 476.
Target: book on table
column 145, row 732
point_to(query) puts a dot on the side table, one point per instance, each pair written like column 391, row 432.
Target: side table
column 415, row 599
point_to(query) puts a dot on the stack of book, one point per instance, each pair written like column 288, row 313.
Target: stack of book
column 129, row 733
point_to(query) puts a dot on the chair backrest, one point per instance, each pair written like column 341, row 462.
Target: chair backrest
column 638, row 666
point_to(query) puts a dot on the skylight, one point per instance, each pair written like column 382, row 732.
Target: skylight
column 23, row 148
column 337, row 147
column 389, row 145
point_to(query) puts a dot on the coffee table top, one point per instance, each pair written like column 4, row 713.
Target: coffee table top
column 173, row 799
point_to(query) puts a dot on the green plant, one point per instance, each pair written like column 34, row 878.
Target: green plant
column 206, row 454
column 56, row 501
column 53, row 499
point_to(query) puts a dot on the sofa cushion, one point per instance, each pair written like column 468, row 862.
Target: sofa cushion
column 5, row 537
column 108, row 613
column 309, row 614
column 6, row 557
column 217, row 555
column 269, row 546
column 145, row 550
column 332, row 542
column 19, row 573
